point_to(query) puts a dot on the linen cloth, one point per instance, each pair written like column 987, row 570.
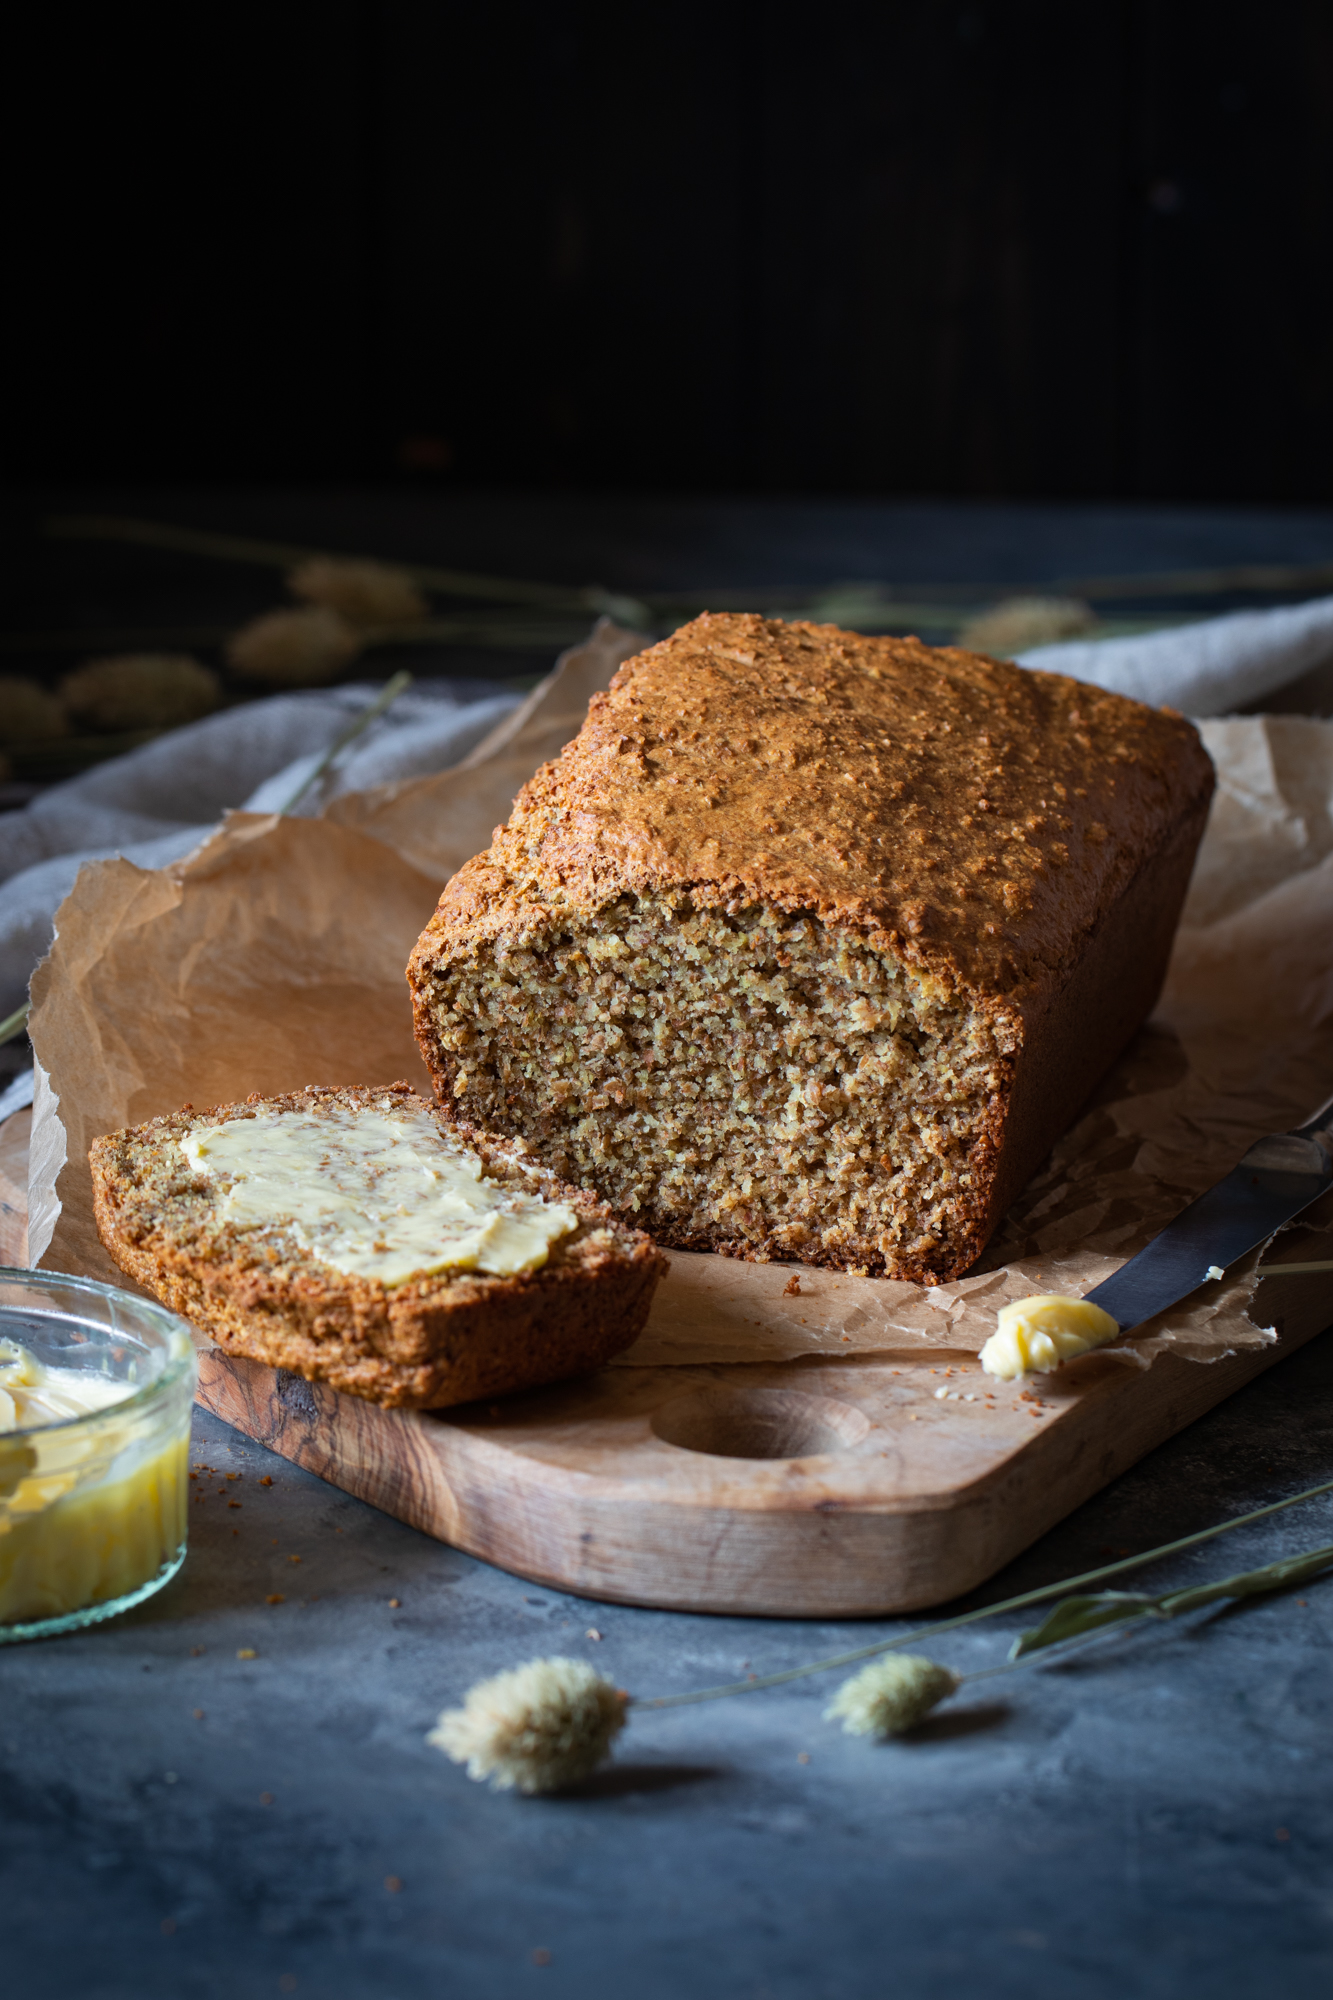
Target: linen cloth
column 1209, row 668
column 158, row 803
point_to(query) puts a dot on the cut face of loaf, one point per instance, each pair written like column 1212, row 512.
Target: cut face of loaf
column 811, row 944
column 749, row 1080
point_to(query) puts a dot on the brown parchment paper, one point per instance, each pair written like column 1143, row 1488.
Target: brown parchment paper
column 274, row 957
column 439, row 823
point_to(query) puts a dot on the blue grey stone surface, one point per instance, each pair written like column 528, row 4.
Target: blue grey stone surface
column 1152, row 1818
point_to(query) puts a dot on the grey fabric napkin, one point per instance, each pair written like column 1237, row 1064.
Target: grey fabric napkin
column 159, row 802
column 1209, row 668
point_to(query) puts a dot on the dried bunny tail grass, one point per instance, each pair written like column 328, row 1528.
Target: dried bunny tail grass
column 890, row 1695
column 140, row 691
column 1020, row 622
column 28, row 713
column 364, row 593
column 306, row 648
column 536, row 1728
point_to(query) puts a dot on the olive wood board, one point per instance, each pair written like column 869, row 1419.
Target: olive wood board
column 816, row 1487
column 837, row 1482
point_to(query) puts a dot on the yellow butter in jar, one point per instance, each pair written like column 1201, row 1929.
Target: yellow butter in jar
column 96, row 1389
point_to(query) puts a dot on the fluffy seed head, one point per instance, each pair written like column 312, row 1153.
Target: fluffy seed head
column 28, row 712
column 305, row 648
column 1021, row 622
column 890, row 1695
column 537, row 1728
column 364, row 593
column 140, row 691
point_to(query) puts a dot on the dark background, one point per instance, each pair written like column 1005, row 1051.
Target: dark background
column 448, row 284
column 1064, row 248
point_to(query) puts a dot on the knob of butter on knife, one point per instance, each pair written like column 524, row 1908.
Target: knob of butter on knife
column 1033, row 1336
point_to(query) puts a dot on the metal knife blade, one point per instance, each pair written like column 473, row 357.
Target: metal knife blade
column 1275, row 1180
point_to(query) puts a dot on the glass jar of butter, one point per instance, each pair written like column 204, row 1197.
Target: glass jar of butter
column 96, row 1388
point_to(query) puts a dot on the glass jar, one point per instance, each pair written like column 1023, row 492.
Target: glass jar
column 93, row 1508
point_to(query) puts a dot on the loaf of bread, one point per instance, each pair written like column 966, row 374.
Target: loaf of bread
column 266, row 1285
column 811, row 944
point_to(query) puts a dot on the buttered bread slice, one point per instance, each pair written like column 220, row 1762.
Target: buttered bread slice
column 355, row 1237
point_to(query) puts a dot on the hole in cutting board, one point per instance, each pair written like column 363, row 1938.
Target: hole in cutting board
column 759, row 1423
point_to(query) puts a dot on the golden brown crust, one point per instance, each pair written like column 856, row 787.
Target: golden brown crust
column 975, row 817
column 423, row 1345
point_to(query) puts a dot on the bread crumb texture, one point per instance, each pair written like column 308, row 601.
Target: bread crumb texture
column 435, row 1340
column 758, row 956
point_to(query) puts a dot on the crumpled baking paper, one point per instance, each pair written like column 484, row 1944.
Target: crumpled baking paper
column 158, row 802
column 273, row 957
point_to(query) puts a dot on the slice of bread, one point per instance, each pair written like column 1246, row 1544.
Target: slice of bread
column 436, row 1339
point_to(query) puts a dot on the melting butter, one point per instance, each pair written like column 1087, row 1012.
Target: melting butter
column 1033, row 1336
column 32, row 1393
column 376, row 1193
column 84, row 1518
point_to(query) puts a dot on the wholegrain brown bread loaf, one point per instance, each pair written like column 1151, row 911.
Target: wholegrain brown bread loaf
column 433, row 1340
column 811, row 944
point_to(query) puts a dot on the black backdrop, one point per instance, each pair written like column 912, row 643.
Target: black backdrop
column 1063, row 247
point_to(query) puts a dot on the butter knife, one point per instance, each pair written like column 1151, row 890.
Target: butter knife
column 1278, row 1177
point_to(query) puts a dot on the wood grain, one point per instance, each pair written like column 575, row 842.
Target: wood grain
column 884, row 1477
column 815, row 1487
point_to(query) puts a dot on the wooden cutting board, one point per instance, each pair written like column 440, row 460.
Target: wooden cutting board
column 811, row 1488
column 827, row 1485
